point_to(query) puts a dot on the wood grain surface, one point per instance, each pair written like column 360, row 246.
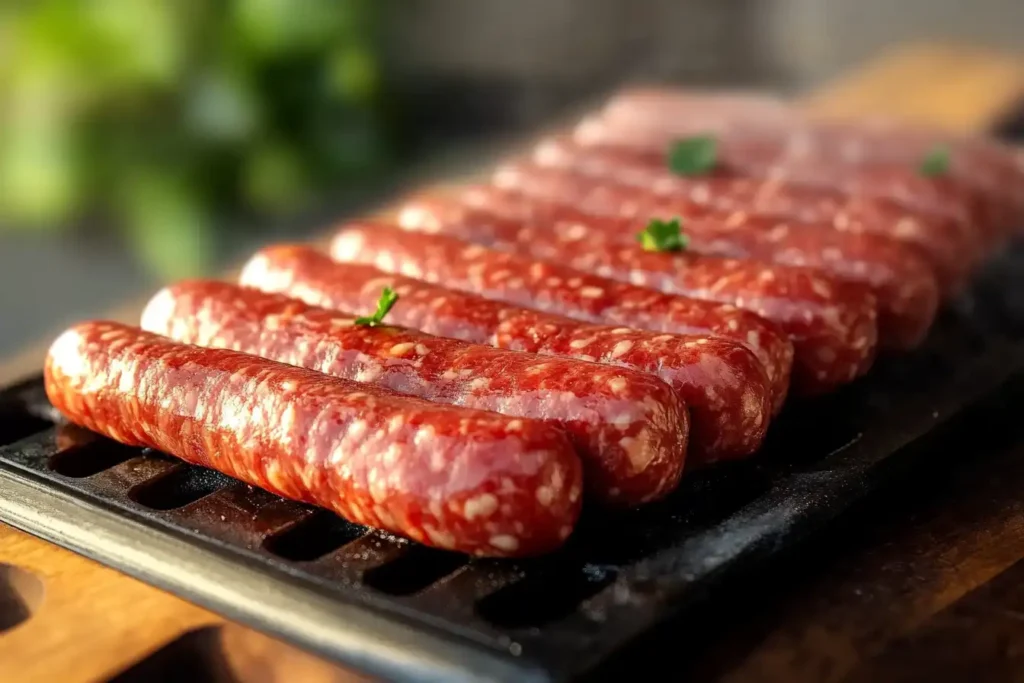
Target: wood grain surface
column 931, row 588
column 66, row 618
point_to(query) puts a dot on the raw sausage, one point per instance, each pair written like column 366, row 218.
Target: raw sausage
column 903, row 282
column 644, row 310
column 677, row 112
column 784, row 157
column 700, row 110
column 951, row 254
column 832, row 325
column 721, row 381
column 653, row 117
column 984, row 166
column 950, row 246
column 629, row 428
column 454, row 478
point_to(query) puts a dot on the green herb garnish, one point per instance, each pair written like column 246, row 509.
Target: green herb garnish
column 935, row 162
column 388, row 297
column 662, row 235
column 693, row 156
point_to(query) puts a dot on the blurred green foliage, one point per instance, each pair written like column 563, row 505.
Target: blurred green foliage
column 162, row 116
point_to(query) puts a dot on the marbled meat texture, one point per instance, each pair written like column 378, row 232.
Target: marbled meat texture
column 832, row 325
column 951, row 246
column 630, row 428
column 654, row 118
column 768, row 341
column 785, row 157
column 722, row 382
column 903, row 282
column 454, row 478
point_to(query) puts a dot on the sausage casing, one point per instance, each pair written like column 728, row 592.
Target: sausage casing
column 832, row 325
column 630, row 428
column 903, row 283
column 950, row 246
column 719, row 379
column 454, row 478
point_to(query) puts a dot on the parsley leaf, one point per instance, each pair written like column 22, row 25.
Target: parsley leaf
column 388, row 297
column 693, row 156
column 662, row 235
column 936, row 162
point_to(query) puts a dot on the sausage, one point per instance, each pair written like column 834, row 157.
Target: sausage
column 454, row 478
column 903, row 282
column 832, row 325
column 629, row 428
column 902, row 279
column 668, row 114
column 951, row 247
column 722, row 382
column 676, row 112
column 899, row 182
column 654, row 116
column 983, row 165
column 703, row 111
column 675, row 316
column 784, row 156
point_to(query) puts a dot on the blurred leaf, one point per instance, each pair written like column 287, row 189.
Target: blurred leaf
column 43, row 65
column 138, row 40
column 165, row 113
column 38, row 172
column 348, row 143
column 352, row 73
column 222, row 108
column 275, row 178
column 272, row 26
column 168, row 225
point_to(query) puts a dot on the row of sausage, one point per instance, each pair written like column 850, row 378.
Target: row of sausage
column 638, row 293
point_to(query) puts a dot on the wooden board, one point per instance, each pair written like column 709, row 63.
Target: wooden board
column 79, row 621
column 66, row 618
column 960, row 88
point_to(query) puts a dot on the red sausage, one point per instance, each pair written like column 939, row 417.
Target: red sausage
column 950, row 246
column 788, row 155
column 721, row 381
column 977, row 170
column 644, row 310
column 629, row 428
column 652, row 119
column 704, row 111
column 903, row 283
column 983, row 165
column 832, row 325
column 454, row 478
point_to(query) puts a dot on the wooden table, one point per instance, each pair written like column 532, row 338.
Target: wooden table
column 929, row 588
